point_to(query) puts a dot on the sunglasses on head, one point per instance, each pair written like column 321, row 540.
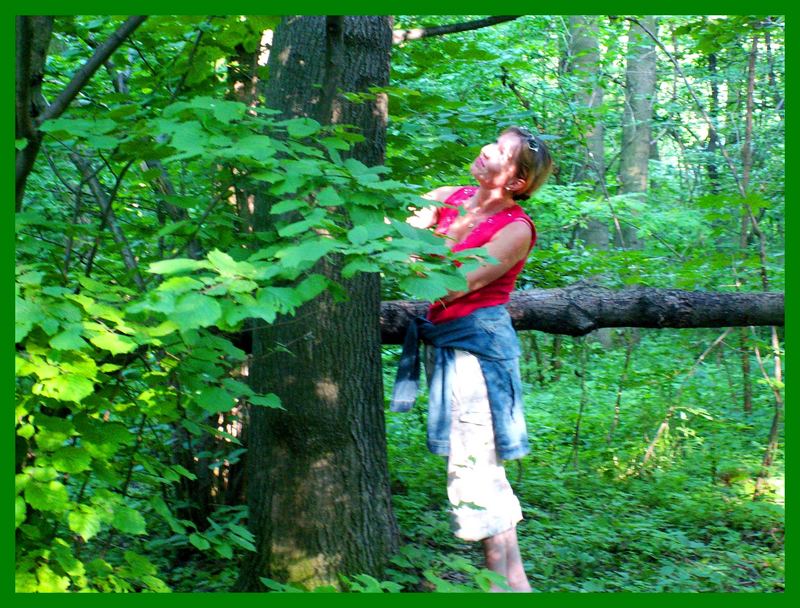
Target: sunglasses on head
column 530, row 139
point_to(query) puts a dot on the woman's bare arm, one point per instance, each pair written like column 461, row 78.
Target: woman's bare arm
column 426, row 217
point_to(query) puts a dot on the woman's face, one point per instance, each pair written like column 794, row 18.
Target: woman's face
column 495, row 167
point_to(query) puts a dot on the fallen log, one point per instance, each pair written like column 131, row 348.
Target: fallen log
column 579, row 309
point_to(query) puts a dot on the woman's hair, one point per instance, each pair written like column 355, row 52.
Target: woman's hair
column 533, row 161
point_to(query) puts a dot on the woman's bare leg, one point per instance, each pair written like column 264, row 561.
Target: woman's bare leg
column 503, row 556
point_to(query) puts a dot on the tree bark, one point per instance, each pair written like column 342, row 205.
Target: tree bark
column 318, row 484
column 578, row 309
column 32, row 39
column 713, row 112
column 640, row 89
column 584, row 60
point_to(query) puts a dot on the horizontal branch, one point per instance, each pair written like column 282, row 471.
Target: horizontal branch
column 579, row 309
column 399, row 36
column 87, row 70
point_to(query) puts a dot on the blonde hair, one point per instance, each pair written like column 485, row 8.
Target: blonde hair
column 533, row 160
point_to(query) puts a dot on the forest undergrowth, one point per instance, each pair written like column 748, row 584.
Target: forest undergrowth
column 599, row 520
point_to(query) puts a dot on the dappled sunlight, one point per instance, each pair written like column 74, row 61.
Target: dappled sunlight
column 327, row 391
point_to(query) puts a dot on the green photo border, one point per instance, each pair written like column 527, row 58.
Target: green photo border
column 405, row 600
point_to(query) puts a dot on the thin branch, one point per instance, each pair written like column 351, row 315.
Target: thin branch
column 106, row 205
column 135, row 46
column 84, row 74
column 399, row 36
column 668, row 416
column 192, row 54
column 191, row 241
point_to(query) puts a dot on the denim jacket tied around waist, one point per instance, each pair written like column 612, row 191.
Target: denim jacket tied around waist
column 488, row 334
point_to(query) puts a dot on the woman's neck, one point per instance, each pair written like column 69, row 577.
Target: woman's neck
column 493, row 200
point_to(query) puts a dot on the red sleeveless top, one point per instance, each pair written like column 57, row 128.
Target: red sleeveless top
column 499, row 290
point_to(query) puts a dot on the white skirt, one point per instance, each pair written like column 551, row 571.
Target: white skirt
column 483, row 502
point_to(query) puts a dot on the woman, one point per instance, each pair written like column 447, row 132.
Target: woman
column 475, row 413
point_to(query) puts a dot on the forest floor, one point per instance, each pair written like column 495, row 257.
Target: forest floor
column 596, row 519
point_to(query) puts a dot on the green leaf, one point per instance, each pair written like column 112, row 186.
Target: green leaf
column 335, row 143
column 307, row 251
column 300, row 127
column 72, row 459
column 359, row 265
column 258, row 147
column 69, row 339
column 19, row 511
column 311, row 287
column 228, row 267
column 31, row 278
column 195, row 310
column 328, row 197
column 199, row 541
column 66, row 387
column 269, row 400
column 21, row 144
column 101, row 438
column 27, row 314
column 78, row 126
column 423, row 288
column 289, row 204
column 50, row 496
column 85, row 521
column 179, row 285
column 128, row 520
column 50, row 582
column 228, row 111
column 358, row 235
column 176, row 266
column 140, row 566
column 215, row 400
column 225, row 550
column 116, row 343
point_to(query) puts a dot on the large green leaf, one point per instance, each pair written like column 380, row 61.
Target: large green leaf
column 51, row 496
column 228, row 267
column 329, row 197
column 19, row 511
column 128, row 520
column 66, row 387
column 69, row 339
column 215, row 399
column 116, row 343
column 176, row 266
column 307, row 251
column 85, row 521
column 72, row 459
column 301, row 127
column 270, row 400
column 194, row 310
column 27, row 314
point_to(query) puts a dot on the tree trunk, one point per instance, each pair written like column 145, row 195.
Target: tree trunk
column 640, row 88
column 578, row 309
column 713, row 112
column 318, row 486
column 32, row 40
column 747, row 162
column 584, row 57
